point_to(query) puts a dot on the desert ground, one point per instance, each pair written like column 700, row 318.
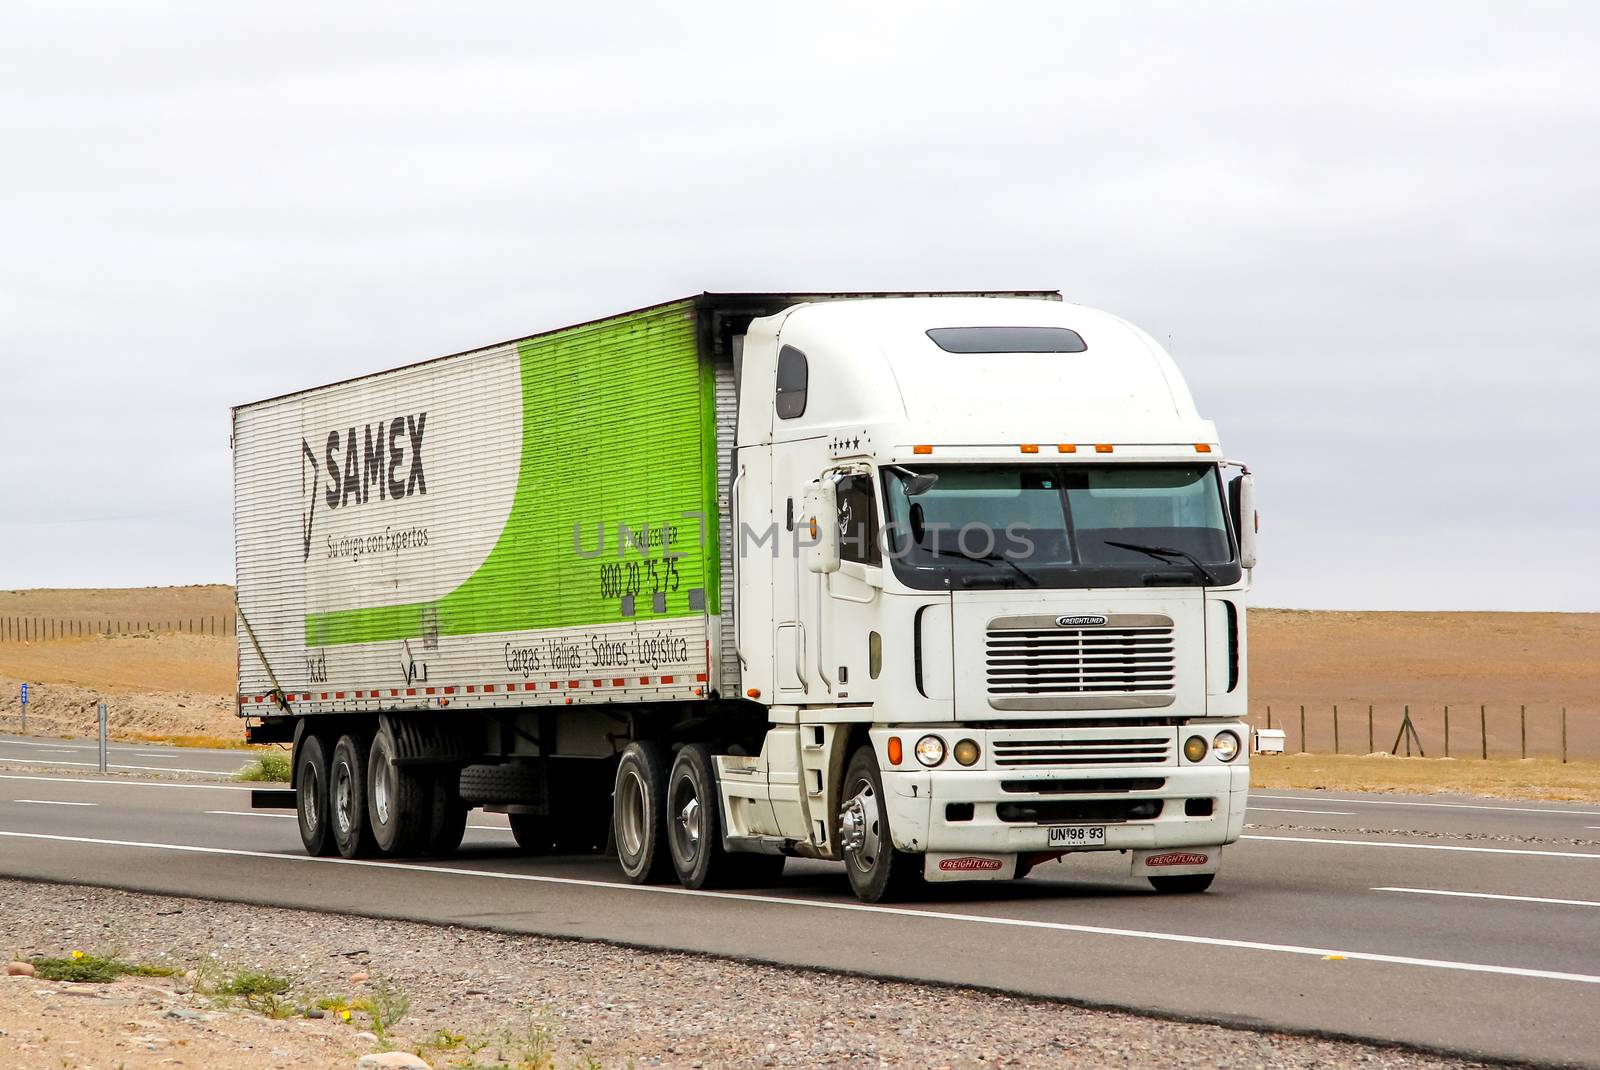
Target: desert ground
column 162, row 681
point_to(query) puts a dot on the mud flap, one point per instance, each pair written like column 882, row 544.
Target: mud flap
column 947, row 866
column 1176, row 861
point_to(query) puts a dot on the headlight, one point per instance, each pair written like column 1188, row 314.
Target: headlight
column 1226, row 746
column 1194, row 748
column 966, row 752
column 930, row 750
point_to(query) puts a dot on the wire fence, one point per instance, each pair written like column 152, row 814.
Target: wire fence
column 49, row 629
column 1434, row 730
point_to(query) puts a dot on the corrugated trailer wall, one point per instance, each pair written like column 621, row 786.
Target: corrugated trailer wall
column 536, row 522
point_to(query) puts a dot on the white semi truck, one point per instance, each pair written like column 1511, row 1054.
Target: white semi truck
column 940, row 586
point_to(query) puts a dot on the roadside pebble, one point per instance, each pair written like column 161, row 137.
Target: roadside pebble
column 391, row 1060
column 20, row 969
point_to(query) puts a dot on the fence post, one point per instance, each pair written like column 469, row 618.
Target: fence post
column 1371, row 746
column 1269, row 716
column 1483, row 732
column 1447, row 731
column 1523, row 715
column 1563, row 735
column 103, row 748
column 1302, row 730
column 1336, row 729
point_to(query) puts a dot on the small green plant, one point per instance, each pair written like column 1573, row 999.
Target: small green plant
column 261, row 992
column 384, row 1007
column 83, row 968
column 269, row 767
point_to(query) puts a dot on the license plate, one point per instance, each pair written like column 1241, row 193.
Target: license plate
column 1077, row 836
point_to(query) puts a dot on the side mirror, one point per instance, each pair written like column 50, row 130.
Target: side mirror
column 819, row 526
column 1247, row 521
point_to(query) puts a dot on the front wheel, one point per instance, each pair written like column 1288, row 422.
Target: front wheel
column 878, row 869
column 1183, row 883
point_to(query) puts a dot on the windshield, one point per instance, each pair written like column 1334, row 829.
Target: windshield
column 1124, row 525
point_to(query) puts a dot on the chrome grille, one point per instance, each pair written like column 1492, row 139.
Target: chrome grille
column 1042, row 662
column 1130, row 748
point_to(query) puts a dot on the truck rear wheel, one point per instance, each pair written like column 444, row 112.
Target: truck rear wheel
column 638, row 811
column 694, row 824
column 879, row 871
column 398, row 797
column 311, row 795
column 347, row 797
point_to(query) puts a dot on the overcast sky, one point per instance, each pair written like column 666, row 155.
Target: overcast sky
column 1369, row 232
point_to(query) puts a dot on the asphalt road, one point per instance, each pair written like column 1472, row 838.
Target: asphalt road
column 1459, row 924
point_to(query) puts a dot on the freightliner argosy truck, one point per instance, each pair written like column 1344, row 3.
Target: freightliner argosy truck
column 939, row 586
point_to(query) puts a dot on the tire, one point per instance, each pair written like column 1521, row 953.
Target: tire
column 311, row 795
column 347, row 798
column 694, row 829
column 1182, row 883
column 447, row 815
column 516, row 783
column 638, row 813
column 399, row 798
column 879, row 871
column 1023, row 869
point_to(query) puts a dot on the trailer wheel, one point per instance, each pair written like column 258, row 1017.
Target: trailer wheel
column 638, row 811
column 878, row 870
column 1182, row 883
column 447, row 817
column 398, row 797
column 347, row 797
column 311, row 795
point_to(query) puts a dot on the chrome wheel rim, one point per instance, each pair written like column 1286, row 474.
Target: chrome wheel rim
column 380, row 792
column 687, row 824
column 631, row 818
column 861, row 827
column 341, row 798
column 310, row 782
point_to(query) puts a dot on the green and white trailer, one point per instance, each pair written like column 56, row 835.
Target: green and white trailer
column 664, row 582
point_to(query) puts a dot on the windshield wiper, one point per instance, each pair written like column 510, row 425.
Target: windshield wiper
column 991, row 557
column 1167, row 552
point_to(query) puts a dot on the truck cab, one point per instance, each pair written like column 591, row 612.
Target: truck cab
column 990, row 568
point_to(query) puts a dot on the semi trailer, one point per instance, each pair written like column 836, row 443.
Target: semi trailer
column 940, row 586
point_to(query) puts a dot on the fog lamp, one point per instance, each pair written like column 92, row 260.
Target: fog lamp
column 966, row 752
column 1194, row 748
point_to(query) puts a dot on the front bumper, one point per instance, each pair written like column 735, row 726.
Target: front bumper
column 951, row 809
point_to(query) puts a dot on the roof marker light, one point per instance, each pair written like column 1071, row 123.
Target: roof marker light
column 1202, row 447
column 920, row 450
column 1103, row 447
column 1066, row 447
column 1030, row 447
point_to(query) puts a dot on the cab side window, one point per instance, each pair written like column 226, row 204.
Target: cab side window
column 858, row 521
column 792, row 377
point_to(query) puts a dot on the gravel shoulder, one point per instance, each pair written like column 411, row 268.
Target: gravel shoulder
column 479, row 998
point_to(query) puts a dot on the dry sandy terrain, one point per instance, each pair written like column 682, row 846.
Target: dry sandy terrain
column 1503, row 778
column 1501, row 660
column 165, row 684
column 585, row 1005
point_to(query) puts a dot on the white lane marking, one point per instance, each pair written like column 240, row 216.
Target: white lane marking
column 1286, row 810
column 249, row 813
column 134, row 748
column 113, row 782
column 490, row 828
column 1487, row 895
column 54, row 802
column 27, row 743
column 137, row 768
column 865, row 908
column 1449, row 806
column 1593, row 857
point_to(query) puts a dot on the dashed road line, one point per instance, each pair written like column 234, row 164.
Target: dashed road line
column 1488, row 895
